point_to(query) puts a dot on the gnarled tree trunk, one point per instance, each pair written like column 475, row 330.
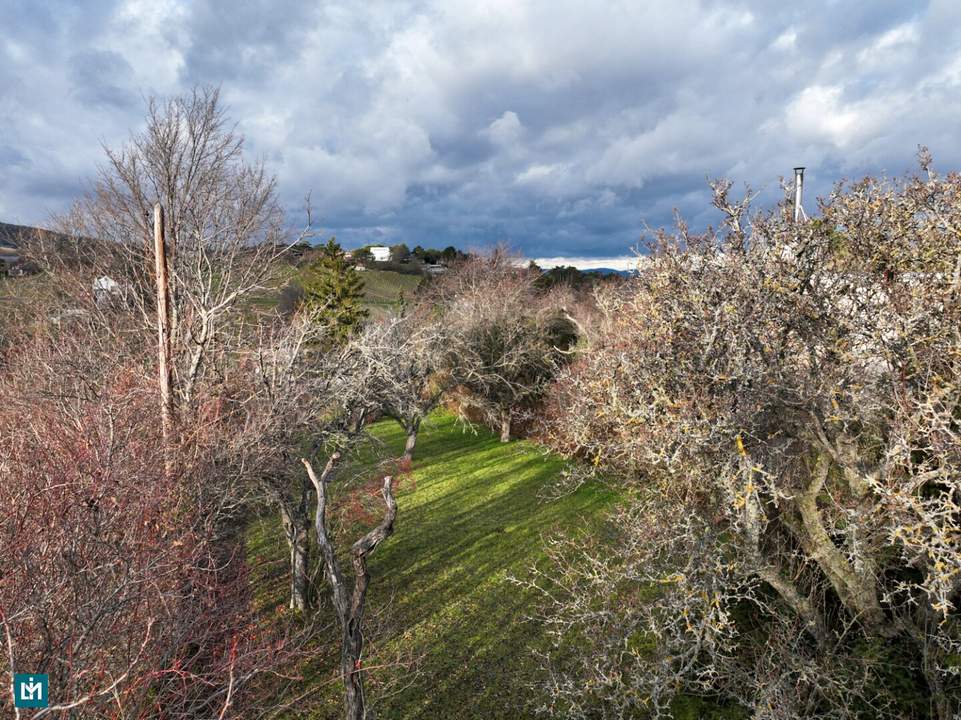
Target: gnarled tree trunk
column 299, row 585
column 412, row 427
column 350, row 610
column 856, row 589
column 751, row 526
column 505, row 425
column 296, row 528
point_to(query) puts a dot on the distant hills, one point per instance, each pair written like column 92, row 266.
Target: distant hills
column 9, row 242
column 11, row 234
column 608, row 271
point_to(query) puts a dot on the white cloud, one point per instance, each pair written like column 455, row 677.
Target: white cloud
column 820, row 113
column 621, row 262
column 148, row 34
column 562, row 127
column 890, row 49
column 786, row 40
column 505, row 130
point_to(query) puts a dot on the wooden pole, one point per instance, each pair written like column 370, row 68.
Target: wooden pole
column 163, row 322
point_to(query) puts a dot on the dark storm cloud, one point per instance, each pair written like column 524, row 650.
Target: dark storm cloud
column 101, row 77
column 245, row 41
column 562, row 128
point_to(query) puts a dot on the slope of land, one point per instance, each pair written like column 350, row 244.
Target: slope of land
column 385, row 289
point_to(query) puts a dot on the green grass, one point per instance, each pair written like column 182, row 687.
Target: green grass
column 383, row 289
column 470, row 517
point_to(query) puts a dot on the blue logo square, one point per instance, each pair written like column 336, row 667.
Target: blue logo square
column 30, row 690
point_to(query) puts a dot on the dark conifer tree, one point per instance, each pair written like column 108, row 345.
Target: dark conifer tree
column 332, row 286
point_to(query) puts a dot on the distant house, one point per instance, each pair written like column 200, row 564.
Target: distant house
column 104, row 289
column 381, row 253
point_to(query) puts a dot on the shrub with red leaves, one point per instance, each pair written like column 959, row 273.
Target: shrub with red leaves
column 118, row 577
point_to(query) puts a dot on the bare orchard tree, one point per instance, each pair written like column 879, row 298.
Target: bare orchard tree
column 349, row 389
column 223, row 224
column 410, row 354
column 784, row 400
column 144, row 607
column 279, row 384
column 502, row 342
column 117, row 578
column 307, row 396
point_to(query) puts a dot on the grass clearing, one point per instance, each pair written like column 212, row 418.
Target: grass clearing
column 383, row 289
column 470, row 516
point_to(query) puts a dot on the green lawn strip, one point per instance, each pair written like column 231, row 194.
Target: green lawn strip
column 386, row 287
column 469, row 517
column 474, row 520
column 266, row 550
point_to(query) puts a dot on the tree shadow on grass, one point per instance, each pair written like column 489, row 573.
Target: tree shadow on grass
column 469, row 518
column 474, row 520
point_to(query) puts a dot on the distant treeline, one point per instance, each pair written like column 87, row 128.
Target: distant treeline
column 401, row 253
column 570, row 276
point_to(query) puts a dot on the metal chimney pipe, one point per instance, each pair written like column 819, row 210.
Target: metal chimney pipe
column 798, row 193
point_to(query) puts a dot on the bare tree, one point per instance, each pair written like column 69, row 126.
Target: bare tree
column 410, row 353
column 224, row 230
column 118, row 579
column 790, row 393
column 502, row 345
column 330, row 390
column 305, row 396
column 279, row 384
column 225, row 237
column 144, row 604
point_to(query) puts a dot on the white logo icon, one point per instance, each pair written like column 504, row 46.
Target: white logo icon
column 32, row 690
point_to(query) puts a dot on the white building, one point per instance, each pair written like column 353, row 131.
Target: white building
column 105, row 288
column 381, row 253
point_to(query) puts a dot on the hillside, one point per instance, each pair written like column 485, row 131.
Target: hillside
column 383, row 289
column 10, row 234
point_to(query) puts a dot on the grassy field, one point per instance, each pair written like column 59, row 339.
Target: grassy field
column 383, row 289
column 470, row 516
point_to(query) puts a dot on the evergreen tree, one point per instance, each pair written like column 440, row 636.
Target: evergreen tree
column 333, row 287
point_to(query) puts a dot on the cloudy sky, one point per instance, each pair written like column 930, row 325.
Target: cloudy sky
column 562, row 127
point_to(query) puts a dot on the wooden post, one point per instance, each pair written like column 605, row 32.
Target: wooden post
column 163, row 322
